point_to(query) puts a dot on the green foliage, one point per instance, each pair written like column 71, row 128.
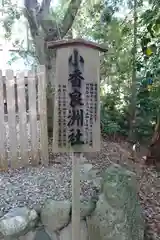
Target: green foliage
column 13, row 13
column 112, row 120
column 147, row 65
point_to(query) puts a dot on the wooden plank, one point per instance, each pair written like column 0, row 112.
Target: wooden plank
column 90, row 128
column 42, row 106
column 75, row 196
column 3, row 160
column 33, row 117
column 22, row 119
column 12, row 118
column 75, row 42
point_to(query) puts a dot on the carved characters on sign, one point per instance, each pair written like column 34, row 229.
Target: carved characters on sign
column 76, row 98
column 75, row 137
column 62, row 122
column 91, row 110
column 76, row 115
column 76, row 78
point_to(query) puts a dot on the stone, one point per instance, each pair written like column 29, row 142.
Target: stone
column 97, row 182
column 55, row 214
column 18, row 221
column 37, row 208
column 66, row 233
column 87, row 172
column 43, row 235
column 1, row 214
column 86, row 167
column 118, row 215
column 86, row 208
column 29, row 236
column 1, row 236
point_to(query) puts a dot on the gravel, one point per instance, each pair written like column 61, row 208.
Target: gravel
column 31, row 186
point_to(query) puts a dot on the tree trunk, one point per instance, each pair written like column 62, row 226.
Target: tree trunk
column 43, row 29
column 153, row 156
column 50, row 93
column 48, row 58
column 132, row 109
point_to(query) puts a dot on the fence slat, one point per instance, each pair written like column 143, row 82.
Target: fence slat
column 22, row 119
column 43, row 115
column 3, row 160
column 12, row 118
column 33, row 116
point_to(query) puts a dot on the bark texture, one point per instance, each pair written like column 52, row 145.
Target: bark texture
column 44, row 29
column 132, row 109
column 153, row 156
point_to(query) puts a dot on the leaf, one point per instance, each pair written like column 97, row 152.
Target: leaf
column 125, row 30
column 149, row 51
column 148, row 15
column 156, row 29
column 94, row 2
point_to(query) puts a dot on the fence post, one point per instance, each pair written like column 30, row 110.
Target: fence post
column 3, row 160
column 22, row 119
column 43, row 115
column 33, row 117
column 10, row 82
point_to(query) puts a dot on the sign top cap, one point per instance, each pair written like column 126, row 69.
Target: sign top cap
column 74, row 42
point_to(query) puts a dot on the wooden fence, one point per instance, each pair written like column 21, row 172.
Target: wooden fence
column 23, row 120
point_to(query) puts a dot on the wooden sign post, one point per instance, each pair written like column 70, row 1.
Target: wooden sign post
column 76, row 124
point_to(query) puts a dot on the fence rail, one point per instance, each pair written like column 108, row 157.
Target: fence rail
column 23, row 136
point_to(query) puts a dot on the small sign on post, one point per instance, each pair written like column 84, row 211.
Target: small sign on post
column 76, row 124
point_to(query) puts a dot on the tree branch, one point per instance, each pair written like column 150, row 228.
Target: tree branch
column 30, row 12
column 37, row 15
column 31, row 4
column 44, row 9
column 70, row 16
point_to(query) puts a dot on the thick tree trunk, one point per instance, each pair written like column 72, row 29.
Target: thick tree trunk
column 153, row 156
column 50, row 77
column 43, row 30
column 132, row 110
column 48, row 59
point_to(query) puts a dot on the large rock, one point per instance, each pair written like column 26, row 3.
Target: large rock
column 66, row 233
column 29, row 236
column 38, row 234
column 86, row 208
column 43, row 235
column 18, row 221
column 55, row 215
column 87, row 172
column 118, row 215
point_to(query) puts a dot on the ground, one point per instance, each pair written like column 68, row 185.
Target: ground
column 33, row 185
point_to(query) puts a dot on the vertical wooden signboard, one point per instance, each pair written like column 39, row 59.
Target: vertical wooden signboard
column 76, row 125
